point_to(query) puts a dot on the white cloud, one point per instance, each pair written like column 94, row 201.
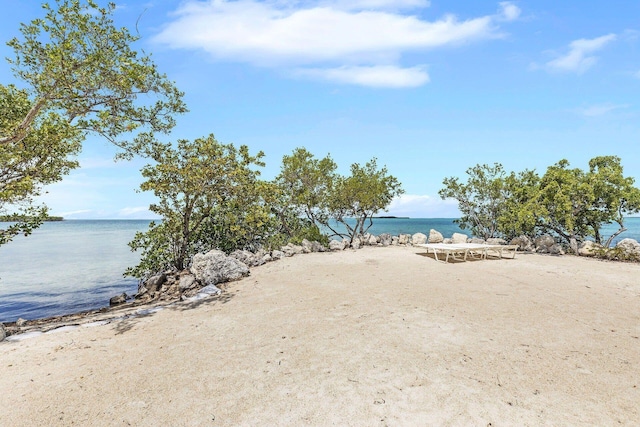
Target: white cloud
column 388, row 76
column 600, row 109
column 578, row 59
column 423, row 206
column 509, row 11
column 359, row 36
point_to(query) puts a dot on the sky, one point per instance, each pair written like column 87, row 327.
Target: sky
column 429, row 88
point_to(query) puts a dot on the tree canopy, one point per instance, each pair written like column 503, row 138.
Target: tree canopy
column 209, row 196
column 571, row 203
column 77, row 75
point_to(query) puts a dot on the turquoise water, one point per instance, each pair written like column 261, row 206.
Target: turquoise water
column 75, row 265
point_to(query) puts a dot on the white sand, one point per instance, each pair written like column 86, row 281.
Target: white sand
column 379, row 336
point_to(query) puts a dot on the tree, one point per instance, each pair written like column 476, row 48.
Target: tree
column 42, row 157
column 367, row 191
column 209, row 197
column 80, row 76
column 480, row 200
column 305, row 183
column 576, row 203
column 615, row 196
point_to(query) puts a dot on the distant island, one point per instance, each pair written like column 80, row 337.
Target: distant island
column 391, row 217
column 16, row 218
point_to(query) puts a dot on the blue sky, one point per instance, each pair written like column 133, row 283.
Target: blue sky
column 430, row 88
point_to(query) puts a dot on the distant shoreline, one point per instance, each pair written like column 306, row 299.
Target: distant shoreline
column 16, row 218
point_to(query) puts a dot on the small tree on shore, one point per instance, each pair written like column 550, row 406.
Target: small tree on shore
column 367, row 191
column 209, row 197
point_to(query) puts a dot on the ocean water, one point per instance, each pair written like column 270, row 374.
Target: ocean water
column 76, row 265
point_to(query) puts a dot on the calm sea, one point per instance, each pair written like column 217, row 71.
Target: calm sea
column 75, row 265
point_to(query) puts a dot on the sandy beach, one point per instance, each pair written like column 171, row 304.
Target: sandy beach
column 374, row 337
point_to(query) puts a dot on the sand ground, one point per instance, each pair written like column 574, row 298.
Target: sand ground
column 374, row 337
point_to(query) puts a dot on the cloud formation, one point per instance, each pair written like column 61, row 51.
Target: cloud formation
column 600, row 109
column 348, row 41
column 423, row 206
column 579, row 58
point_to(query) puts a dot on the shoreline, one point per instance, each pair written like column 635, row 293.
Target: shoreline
column 369, row 337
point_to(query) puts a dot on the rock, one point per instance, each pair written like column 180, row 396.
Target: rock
column 373, row 240
column 187, row 281
column 447, row 241
column 394, row 240
column 118, row 299
column 356, row 243
column 313, row 246
column 419, row 239
column 524, row 243
column 276, row 255
column 588, row 248
column 385, row 239
column 496, row 241
column 3, row 332
column 544, row 243
column 457, row 238
column 20, row 322
column 477, row 241
column 244, row 257
column 266, row 258
column 556, row 250
column 336, row 245
column 216, row 267
column 629, row 246
column 306, row 246
column 290, row 250
column 154, row 283
column 404, row 239
column 435, row 236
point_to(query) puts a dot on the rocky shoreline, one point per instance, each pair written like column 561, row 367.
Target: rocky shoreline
column 213, row 269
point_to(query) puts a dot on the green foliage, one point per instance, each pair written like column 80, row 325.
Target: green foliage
column 42, row 157
column 480, row 200
column 209, row 197
column 306, row 184
column 367, row 191
column 313, row 194
column 81, row 76
column 571, row 203
column 616, row 254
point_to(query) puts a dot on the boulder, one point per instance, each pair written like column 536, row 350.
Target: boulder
column 556, row 249
column 187, row 281
column 216, row 267
column 317, row 247
column 21, row 322
column 496, row 241
column 246, row 257
column 435, row 236
column 447, row 241
column 631, row 247
column 3, row 332
column 385, row 239
column 404, row 239
column 418, row 239
column 543, row 243
column 459, row 238
column 306, row 246
column 152, row 284
column 290, row 249
column 588, row 248
column 477, row 241
column 276, row 255
column 336, row 245
column 118, row 299
column 355, row 244
column 524, row 243
column 373, row 240
column 394, row 240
